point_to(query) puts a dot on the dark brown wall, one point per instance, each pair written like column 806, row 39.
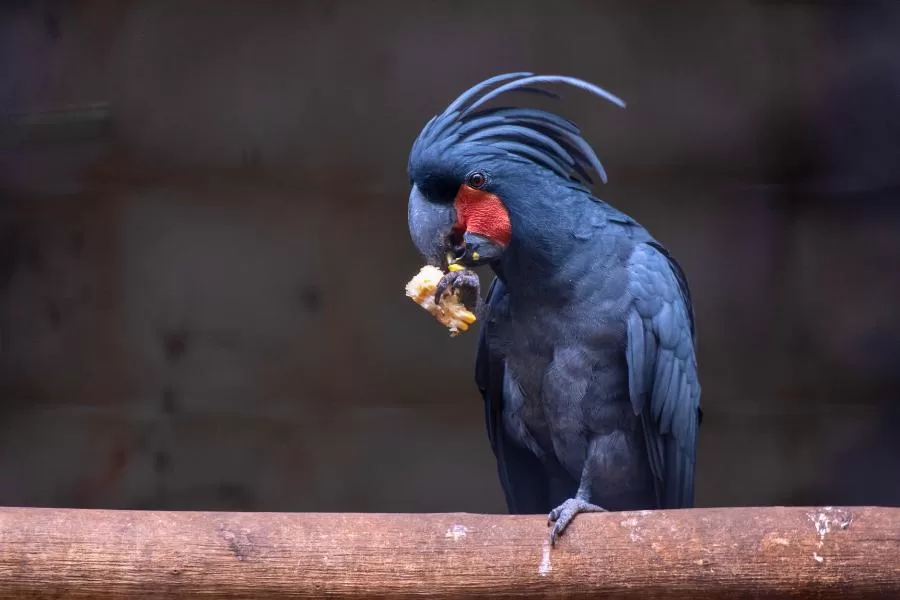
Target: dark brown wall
column 181, row 323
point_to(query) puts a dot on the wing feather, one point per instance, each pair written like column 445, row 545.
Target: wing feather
column 662, row 370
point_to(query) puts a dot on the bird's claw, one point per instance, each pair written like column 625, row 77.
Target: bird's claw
column 465, row 282
column 562, row 515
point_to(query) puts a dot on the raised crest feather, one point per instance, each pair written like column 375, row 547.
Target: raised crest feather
column 536, row 135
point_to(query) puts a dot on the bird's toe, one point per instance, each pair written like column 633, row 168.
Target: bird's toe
column 563, row 514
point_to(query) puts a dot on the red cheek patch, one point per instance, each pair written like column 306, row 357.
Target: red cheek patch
column 482, row 213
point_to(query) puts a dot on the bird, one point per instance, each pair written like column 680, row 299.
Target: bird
column 587, row 357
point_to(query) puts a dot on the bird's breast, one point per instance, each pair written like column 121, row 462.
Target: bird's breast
column 568, row 379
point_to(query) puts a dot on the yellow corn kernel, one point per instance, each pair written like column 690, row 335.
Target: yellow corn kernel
column 455, row 267
column 467, row 317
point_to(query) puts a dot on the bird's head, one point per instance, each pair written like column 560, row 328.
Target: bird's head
column 474, row 171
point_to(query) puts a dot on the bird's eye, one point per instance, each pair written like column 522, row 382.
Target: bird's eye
column 476, row 180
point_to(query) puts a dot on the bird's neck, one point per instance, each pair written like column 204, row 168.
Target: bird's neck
column 543, row 255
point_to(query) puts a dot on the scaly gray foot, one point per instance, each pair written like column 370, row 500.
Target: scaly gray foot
column 465, row 283
column 563, row 514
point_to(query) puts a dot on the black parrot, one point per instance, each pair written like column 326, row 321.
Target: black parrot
column 586, row 357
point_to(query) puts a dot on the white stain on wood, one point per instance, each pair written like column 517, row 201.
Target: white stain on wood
column 456, row 532
column 545, row 566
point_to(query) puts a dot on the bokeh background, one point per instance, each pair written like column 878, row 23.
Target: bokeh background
column 203, row 242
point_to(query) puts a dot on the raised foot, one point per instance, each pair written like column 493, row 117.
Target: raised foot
column 465, row 282
column 563, row 514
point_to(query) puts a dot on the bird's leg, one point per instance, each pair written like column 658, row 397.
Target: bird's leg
column 466, row 283
column 563, row 514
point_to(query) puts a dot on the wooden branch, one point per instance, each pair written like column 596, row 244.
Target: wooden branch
column 730, row 553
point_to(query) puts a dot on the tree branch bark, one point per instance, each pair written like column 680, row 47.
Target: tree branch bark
column 819, row 552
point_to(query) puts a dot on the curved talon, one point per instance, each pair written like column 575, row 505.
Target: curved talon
column 442, row 286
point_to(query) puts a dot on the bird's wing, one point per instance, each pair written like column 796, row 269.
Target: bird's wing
column 662, row 370
column 521, row 474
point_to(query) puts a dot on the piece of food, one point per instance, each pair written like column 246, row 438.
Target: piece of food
column 449, row 311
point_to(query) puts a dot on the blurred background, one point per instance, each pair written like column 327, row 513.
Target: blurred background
column 203, row 242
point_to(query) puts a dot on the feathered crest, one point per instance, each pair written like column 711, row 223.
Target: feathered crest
column 533, row 134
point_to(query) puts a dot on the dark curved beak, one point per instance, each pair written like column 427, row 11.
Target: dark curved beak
column 432, row 227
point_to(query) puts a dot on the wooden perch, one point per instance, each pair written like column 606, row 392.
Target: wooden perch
column 730, row 553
